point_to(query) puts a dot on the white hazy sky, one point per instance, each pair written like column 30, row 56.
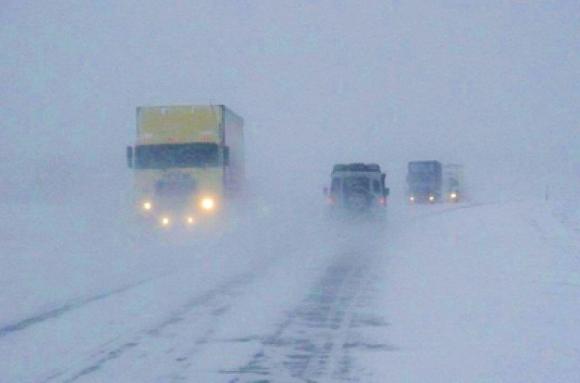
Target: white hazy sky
column 493, row 84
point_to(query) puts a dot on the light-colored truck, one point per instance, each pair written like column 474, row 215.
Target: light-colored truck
column 188, row 163
column 453, row 187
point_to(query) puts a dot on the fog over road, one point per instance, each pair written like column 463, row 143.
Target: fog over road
column 486, row 290
column 345, row 302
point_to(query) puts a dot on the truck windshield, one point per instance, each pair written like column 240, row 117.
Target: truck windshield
column 422, row 167
column 422, row 177
column 176, row 156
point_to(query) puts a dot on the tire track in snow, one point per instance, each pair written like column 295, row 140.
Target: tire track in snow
column 315, row 341
column 66, row 308
column 201, row 305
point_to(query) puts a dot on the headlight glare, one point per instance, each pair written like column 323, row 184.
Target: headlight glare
column 207, row 203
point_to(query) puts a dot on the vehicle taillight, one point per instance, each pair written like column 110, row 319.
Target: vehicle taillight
column 382, row 201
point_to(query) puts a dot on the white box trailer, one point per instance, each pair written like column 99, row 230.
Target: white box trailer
column 453, row 183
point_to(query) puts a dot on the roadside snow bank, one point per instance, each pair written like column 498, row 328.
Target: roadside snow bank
column 486, row 293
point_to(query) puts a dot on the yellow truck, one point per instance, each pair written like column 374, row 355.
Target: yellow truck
column 188, row 163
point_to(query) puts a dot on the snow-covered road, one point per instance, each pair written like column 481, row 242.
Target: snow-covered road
column 461, row 293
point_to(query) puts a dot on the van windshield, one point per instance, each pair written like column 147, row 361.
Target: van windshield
column 359, row 184
column 165, row 156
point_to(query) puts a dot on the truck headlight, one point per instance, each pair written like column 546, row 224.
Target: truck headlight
column 207, row 203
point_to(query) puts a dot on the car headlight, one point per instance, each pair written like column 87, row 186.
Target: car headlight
column 165, row 221
column 412, row 198
column 453, row 195
column 207, row 203
column 431, row 198
column 189, row 220
column 147, row 205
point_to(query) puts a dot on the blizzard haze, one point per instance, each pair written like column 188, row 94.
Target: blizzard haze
column 491, row 84
column 483, row 290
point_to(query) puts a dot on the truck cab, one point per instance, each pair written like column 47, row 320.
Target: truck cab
column 424, row 181
column 357, row 188
column 187, row 164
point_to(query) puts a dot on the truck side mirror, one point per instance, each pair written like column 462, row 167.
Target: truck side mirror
column 130, row 156
column 226, row 156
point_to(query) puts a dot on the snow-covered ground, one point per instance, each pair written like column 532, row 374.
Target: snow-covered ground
column 447, row 293
column 488, row 294
column 474, row 292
